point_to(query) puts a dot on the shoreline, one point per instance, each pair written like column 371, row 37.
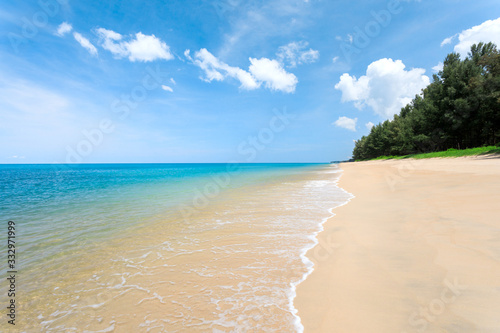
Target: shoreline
column 237, row 257
column 308, row 262
column 414, row 250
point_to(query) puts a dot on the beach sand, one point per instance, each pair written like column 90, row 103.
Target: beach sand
column 416, row 250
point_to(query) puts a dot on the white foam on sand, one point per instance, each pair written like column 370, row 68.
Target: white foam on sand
column 314, row 237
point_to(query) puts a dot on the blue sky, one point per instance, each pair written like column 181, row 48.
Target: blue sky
column 217, row 81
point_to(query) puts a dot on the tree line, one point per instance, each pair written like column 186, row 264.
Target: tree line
column 459, row 109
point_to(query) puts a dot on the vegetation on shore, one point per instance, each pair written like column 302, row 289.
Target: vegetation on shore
column 448, row 153
column 460, row 109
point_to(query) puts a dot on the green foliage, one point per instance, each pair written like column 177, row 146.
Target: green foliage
column 452, row 152
column 459, row 109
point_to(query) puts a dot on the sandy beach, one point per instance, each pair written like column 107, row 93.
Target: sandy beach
column 416, row 250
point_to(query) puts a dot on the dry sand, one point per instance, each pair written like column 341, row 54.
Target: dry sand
column 416, row 250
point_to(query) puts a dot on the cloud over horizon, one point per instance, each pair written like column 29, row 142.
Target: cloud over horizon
column 273, row 75
column 261, row 71
column 347, row 123
column 488, row 31
column 139, row 48
column 386, row 87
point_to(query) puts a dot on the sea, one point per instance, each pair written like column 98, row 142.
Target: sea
column 161, row 247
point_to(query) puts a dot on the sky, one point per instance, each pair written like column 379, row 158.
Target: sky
column 217, row 81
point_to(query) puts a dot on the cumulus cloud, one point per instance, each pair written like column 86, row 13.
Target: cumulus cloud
column 369, row 125
column 138, row 48
column 261, row 71
column 147, row 48
column 217, row 70
column 273, row 75
column 346, row 123
column 488, row 31
column 84, row 42
column 296, row 53
column 63, row 29
column 438, row 67
column 385, row 88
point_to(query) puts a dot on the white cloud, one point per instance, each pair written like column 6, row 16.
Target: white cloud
column 141, row 48
column 217, row 70
column 386, row 87
column 148, row 48
column 269, row 72
column 308, row 56
column 172, row 80
column 438, row 67
column 273, row 75
column 84, row 42
column 295, row 53
column 167, row 88
column 448, row 40
column 346, row 123
column 108, row 39
column 369, row 125
column 335, row 59
column 488, row 31
column 63, row 29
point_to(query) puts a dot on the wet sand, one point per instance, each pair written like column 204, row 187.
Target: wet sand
column 416, row 250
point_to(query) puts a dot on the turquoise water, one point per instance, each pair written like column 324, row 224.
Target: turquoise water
column 57, row 207
column 87, row 235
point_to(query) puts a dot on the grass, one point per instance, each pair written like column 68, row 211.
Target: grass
column 448, row 153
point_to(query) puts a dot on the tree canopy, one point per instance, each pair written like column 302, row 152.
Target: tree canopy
column 459, row 109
